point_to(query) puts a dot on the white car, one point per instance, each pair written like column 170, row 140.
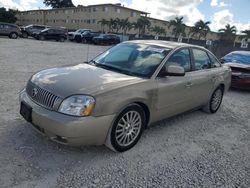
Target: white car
column 71, row 35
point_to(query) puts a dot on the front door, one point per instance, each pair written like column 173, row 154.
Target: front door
column 175, row 92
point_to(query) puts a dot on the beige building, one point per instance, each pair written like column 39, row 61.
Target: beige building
column 79, row 17
column 88, row 17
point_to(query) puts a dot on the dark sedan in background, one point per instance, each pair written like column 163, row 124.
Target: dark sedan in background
column 239, row 61
column 86, row 37
column 57, row 34
column 107, row 39
column 30, row 30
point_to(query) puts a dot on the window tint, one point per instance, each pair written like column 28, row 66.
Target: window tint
column 121, row 55
column 201, row 60
column 214, row 61
column 181, row 58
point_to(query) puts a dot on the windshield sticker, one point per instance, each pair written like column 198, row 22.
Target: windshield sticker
column 158, row 50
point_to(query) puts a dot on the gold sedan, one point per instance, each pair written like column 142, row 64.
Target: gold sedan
column 114, row 97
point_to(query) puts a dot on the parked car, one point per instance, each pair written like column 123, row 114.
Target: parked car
column 114, row 97
column 71, row 35
column 106, row 39
column 86, row 37
column 10, row 30
column 52, row 34
column 239, row 61
column 29, row 30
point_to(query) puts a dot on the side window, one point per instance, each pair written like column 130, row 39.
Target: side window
column 214, row 62
column 201, row 59
column 181, row 58
column 1, row 26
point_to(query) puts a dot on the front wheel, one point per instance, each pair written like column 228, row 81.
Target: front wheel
column 62, row 39
column 215, row 101
column 13, row 35
column 127, row 128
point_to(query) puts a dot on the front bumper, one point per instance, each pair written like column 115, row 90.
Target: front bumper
column 66, row 129
column 241, row 83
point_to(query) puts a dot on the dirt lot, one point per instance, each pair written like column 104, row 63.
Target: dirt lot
column 190, row 150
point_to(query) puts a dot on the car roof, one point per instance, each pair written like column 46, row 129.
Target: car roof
column 162, row 43
column 241, row 52
column 8, row 23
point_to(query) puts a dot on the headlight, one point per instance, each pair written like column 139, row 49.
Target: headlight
column 77, row 105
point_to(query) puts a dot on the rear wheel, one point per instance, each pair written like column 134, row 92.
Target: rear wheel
column 215, row 101
column 13, row 35
column 25, row 35
column 41, row 37
column 62, row 39
column 127, row 128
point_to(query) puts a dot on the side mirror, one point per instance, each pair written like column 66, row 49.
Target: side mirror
column 172, row 70
column 175, row 70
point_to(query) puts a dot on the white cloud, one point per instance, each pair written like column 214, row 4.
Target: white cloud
column 216, row 3
column 22, row 5
column 221, row 18
column 167, row 10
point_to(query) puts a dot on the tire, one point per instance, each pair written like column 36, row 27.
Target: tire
column 127, row 128
column 215, row 101
column 25, row 35
column 41, row 37
column 62, row 39
column 13, row 35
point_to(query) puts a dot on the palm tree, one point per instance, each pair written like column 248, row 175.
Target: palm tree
column 158, row 30
column 228, row 33
column 201, row 29
column 178, row 26
column 246, row 35
column 112, row 24
column 125, row 25
column 142, row 24
column 103, row 23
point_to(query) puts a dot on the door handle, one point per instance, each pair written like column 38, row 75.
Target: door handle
column 214, row 78
column 189, row 84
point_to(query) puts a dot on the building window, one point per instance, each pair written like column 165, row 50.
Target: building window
column 95, row 9
column 67, row 21
column 88, row 21
column 117, row 10
column 105, row 9
column 93, row 21
column 133, row 14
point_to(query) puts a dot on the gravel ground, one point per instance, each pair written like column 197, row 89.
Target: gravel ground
column 191, row 150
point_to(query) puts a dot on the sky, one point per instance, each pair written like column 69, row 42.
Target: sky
column 219, row 12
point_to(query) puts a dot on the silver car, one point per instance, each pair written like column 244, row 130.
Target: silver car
column 114, row 97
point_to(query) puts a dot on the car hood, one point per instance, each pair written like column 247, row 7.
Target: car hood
column 238, row 65
column 72, row 33
column 81, row 79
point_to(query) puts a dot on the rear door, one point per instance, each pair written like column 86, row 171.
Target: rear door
column 203, row 77
column 4, row 29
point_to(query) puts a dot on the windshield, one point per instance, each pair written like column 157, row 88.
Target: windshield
column 133, row 59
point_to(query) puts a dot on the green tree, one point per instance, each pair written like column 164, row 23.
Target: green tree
column 58, row 3
column 200, row 29
column 7, row 15
column 228, row 33
column 125, row 25
column 158, row 30
column 178, row 26
column 103, row 23
column 142, row 24
column 246, row 35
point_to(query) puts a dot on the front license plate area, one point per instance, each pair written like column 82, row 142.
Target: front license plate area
column 26, row 111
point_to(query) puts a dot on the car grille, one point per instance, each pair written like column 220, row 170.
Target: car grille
column 41, row 96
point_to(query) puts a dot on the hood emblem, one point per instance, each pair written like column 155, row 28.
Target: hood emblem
column 34, row 92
